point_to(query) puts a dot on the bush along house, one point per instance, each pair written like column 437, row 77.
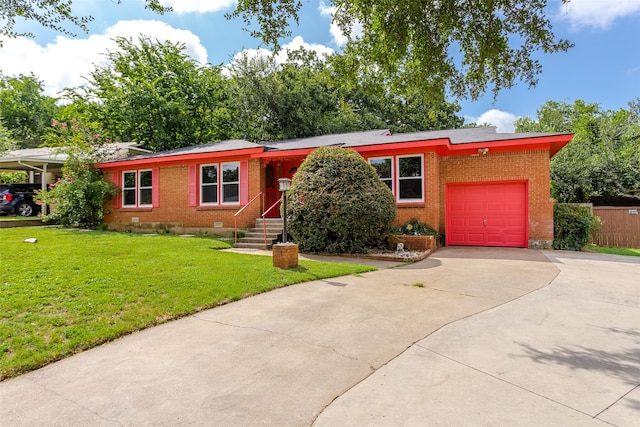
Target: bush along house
column 476, row 186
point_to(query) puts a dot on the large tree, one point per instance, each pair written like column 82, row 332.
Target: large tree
column 54, row 14
column 458, row 46
column 24, row 108
column 309, row 95
column 153, row 93
column 603, row 159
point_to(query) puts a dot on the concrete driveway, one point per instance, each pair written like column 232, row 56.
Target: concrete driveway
column 467, row 336
column 567, row 354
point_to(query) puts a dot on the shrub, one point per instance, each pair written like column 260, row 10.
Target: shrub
column 573, row 226
column 338, row 204
column 79, row 196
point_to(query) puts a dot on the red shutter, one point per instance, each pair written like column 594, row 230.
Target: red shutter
column 244, row 182
column 193, row 185
column 116, row 202
column 155, row 187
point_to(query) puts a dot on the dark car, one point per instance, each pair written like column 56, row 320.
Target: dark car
column 18, row 199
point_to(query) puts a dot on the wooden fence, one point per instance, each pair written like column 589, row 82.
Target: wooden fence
column 620, row 226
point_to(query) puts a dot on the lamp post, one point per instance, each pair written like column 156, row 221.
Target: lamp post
column 284, row 185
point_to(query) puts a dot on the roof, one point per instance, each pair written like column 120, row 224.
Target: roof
column 377, row 137
column 212, row 147
column 54, row 157
column 449, row 142
column 342, row 140
column 33, row 159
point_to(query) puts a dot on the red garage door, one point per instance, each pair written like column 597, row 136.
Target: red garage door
column 487, row 214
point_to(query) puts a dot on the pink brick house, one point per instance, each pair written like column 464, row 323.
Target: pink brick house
column 475, row 186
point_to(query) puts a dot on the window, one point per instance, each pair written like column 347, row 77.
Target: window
column 384, row 167
column 209, row 184
column 137, row 188
column 129, row 188
column 404, row 175
column 220, row 188
column 231, row 183
column 145, row 188
column 410, row 178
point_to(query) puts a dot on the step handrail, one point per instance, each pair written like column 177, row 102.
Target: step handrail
column 235, row 216
column 264, row 223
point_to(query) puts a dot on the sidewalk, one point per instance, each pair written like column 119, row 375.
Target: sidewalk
column 279, row 358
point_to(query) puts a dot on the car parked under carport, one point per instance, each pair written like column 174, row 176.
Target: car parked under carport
column 18, row 199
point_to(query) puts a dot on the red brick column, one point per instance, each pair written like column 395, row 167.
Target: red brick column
column 285, row 255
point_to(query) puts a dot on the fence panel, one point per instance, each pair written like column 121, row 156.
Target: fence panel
column 620, row 226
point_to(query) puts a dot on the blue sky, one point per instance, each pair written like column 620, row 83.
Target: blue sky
column 603, row 67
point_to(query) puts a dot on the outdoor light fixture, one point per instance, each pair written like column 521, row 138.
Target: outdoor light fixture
column 284, row 185
column 483, row 151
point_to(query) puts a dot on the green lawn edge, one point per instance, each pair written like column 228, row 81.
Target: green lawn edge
column 612, row 251
column 74, row 290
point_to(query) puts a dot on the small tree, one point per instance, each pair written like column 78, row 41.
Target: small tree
column 338, row 203
column 79, row 196
column 573, row 226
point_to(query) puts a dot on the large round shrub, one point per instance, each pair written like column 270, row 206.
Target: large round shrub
column 338, row 204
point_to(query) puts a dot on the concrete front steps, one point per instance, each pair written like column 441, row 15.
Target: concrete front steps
column 254, row 237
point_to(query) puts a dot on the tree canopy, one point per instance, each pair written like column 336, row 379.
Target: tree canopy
column 53, row 14
column 6, row 139
column 603, row 159
column 461, row 47
column 153, row 93
column 24, row 109
column 308, row 96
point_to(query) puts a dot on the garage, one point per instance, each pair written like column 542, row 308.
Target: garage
column 487, row 214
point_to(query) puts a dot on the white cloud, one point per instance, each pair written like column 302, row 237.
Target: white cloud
column 282, row 55
column 503, row 121
column 198, row 6
column 66, row 61
column 339, row 37
column 597, row 13
column 299, row 42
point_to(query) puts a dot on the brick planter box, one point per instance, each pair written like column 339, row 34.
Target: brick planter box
column 415, row 243
column 285, row 255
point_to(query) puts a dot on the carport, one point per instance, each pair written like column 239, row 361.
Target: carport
column 42, row 161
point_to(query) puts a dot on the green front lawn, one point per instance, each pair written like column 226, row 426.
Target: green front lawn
column 613, row 251
column 73, row 290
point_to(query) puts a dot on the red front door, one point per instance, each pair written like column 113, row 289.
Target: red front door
column 271, row 191
column 273, row 171
column 487, row 214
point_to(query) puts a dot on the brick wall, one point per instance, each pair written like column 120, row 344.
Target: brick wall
column 532, row 166
column 429, row 211
column 174, row 212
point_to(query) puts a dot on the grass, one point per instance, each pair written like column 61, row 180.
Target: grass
column 613, row 251
column 74, row 289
